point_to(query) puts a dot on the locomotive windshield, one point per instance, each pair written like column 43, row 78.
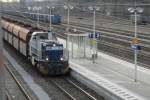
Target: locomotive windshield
column 46, row 36
column 43, row 36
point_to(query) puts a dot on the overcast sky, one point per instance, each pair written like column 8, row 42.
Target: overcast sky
column 8, row 0
column 26, row 0
column 18, row 0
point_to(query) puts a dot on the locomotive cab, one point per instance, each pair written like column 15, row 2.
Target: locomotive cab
column 47, row 54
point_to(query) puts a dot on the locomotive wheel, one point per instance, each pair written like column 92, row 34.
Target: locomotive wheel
column 42, row 70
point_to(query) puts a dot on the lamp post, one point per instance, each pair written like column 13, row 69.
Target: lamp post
column 29, row 10
column 94, row 9
column 135, row 11
column 50, row 16
column 38, row 13
column 68, row 8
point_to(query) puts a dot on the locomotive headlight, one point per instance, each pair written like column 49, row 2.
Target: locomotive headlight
column 61, row 59
column 54, row 45
column 47, row 58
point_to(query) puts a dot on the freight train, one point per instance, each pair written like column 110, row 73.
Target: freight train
column 39, row 46
column 56, row 19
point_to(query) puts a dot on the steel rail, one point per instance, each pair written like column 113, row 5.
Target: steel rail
column 78, row 87
column 115, row 36
column 107, row 29
column 146, row 54
column 99, row 30
column 18, row 82
column 64, row 91
column 89, row 26
column 128, row 49
column 8, row 97
column 114, row 31
column 103, row 15
column 75, row 86
column 108, row 33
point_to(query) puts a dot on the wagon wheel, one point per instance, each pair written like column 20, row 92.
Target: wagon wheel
column 43, row 70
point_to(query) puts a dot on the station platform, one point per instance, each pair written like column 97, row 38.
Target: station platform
column 112, row 76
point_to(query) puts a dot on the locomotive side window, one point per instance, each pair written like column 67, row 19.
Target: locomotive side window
column 42, row 36
column 34, row 38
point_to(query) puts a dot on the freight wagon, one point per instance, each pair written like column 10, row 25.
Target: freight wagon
column 56, row 19
column 141, row 19
column 37, row 45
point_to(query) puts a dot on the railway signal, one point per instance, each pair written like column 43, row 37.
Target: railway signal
column 135, row 41
column 135, row 44
column 92, row 35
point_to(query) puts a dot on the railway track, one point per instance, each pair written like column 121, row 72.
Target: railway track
column 72, row 90
column 109, row 21
column 22, row 93
column 106, row 31
column 114, row 40
column 124, row 53
column 111, row 33
column 8, row 97
column 103, row 20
